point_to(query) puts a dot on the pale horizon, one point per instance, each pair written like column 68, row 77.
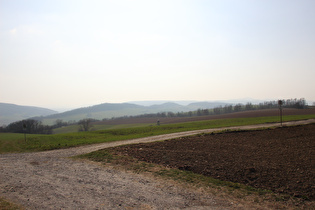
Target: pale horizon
column 148, row 103
column 67, row 54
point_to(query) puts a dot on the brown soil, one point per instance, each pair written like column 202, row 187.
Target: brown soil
column 281, row 160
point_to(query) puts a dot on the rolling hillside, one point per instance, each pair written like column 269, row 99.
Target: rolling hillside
column 11, row 112
column 109, row 110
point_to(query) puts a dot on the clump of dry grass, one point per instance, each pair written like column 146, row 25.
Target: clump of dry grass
column 7, row 205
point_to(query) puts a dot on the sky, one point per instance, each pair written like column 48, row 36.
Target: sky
column 72, row 53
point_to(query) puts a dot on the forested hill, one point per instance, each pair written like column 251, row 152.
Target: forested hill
column 109, row 110
column 11, row 112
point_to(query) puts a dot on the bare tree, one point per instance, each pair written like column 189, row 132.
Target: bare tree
column 85, row 124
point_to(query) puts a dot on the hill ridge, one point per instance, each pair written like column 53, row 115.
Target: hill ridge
column 110, row 110
column 12, row 112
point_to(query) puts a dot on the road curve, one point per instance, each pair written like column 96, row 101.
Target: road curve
column 50, row 180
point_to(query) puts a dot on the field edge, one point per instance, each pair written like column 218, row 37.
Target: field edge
column 233, row 191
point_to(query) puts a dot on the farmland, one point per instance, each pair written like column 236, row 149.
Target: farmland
column 16, row 143
column 77, row 181
column 277, row 160
column 152, row 121
column 287, row 112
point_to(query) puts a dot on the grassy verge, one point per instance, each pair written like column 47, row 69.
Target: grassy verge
column 234, row 191
column 16, row 143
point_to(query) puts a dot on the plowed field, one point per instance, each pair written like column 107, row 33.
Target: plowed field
column 281, row 160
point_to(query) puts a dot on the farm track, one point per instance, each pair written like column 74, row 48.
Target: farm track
column 51, row 180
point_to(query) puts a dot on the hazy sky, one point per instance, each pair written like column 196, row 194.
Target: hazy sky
column 62, row 53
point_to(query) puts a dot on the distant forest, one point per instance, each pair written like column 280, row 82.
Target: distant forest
column 36, row 127
column 27, row 126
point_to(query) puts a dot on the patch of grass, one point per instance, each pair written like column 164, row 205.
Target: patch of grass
column 66, row 129
column 98, row 156
column 4, row 204
column 16, row 143
column 142, row 167
column 97, row 127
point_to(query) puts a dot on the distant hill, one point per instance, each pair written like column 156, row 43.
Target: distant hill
column 11, row 112
column 205, row 105
column 109, row 110
column 150, row 103
column 99, row 112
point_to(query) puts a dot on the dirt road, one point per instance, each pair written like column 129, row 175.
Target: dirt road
column 51, row 180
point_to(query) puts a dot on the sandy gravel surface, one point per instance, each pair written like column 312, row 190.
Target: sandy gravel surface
column 51, row 180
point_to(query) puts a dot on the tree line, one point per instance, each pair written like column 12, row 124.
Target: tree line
column 29, row 126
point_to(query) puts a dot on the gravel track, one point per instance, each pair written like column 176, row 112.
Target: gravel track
column 51, row 180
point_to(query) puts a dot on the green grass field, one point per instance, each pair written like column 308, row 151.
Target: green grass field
column 15, row 142
column 75, row 128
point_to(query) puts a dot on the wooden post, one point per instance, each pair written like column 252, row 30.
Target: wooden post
column 280, row 102
column 24, row 129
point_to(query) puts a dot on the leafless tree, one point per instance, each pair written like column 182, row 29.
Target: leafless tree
column 85, row 124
